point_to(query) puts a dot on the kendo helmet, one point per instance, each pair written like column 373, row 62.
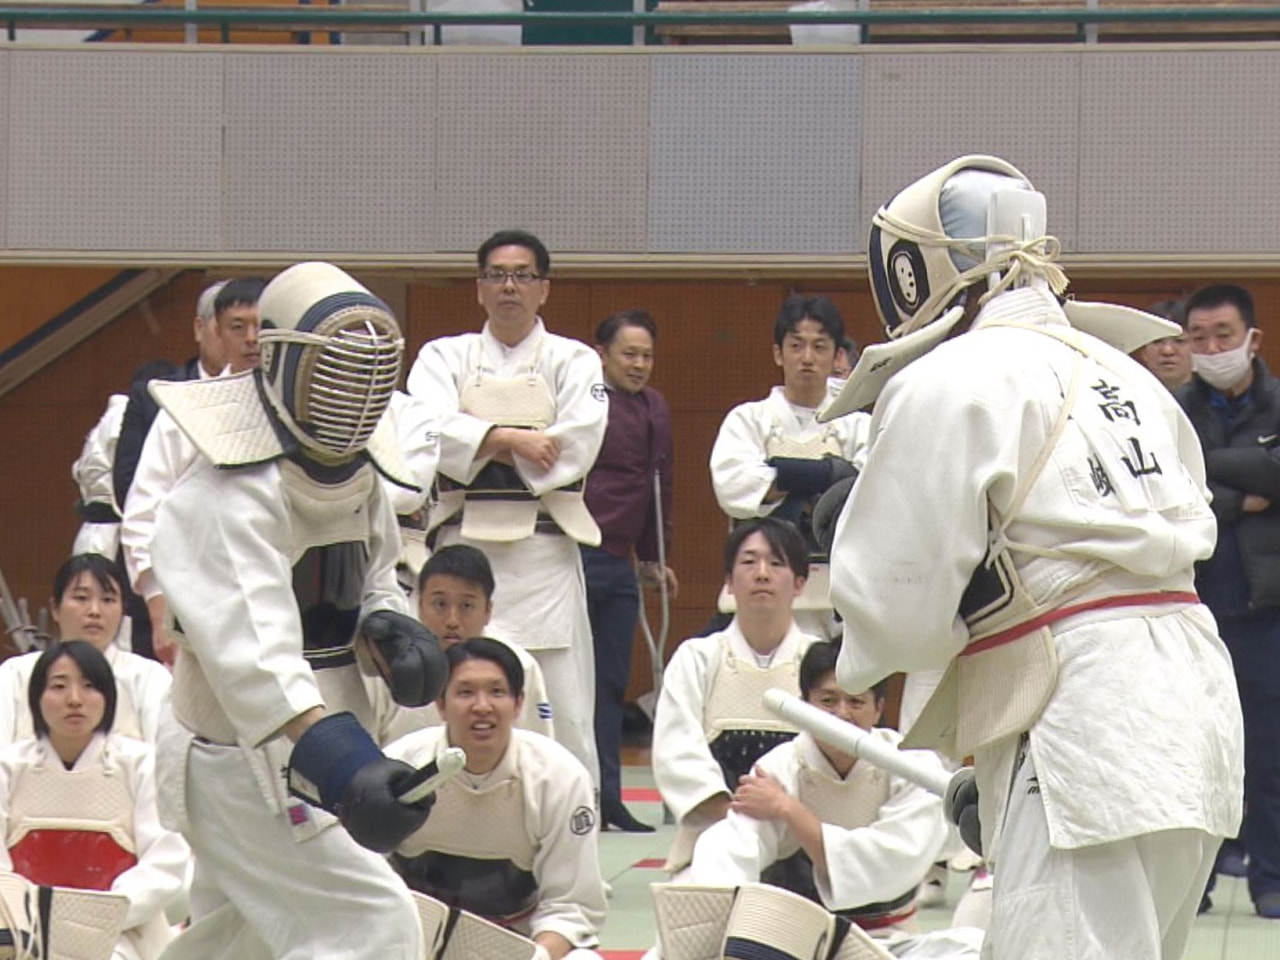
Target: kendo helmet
column 331, row 358
column 936, row 238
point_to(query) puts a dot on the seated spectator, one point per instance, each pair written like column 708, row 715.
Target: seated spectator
column 710, row 726
column 455, row 601
column 1169, row 358
column 821, row 823
column 86, row 606
column 511, row 838
column 78, row 803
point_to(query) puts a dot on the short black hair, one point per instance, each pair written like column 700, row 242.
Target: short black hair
column 515, row 238
column 1173, row 310
column 820, row 660
column 459, row 560
column 495, row 651
column 850, row 348
column 819, row 309
column 243, row 292
column 610, row 325
column 92, row 663
column 783, row 539
column 106, row 572
column 1220, row 295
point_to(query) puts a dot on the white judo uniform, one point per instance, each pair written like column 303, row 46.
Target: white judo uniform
column 516, row 845
column 141, row 686
column 274, row 878
column 750, row 435
column 710, row 725
column 100, row 531
column 474, row 382
column 1102, row 822
column 879, row 832
column 94, row 827
column 394, row 721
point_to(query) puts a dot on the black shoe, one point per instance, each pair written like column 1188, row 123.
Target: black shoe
column 1205, row 905
column 614, row 814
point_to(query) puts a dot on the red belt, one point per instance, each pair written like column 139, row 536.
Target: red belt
column 883, row 920
column 1061, row 613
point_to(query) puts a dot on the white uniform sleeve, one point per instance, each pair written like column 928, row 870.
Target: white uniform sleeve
column 92, row 471
column 856, row 438
column 161, row 870
column 434, row 380
column 683, row 768
column 381, row 589
column 899, row 569
column 6, row 783
column 739, row 848
column 166, row 455
column 536, row 714
column 228, row 577
column 884, row 860
column 739, row 474
column 566, row 865
column 582, row 414
column 419, row 436
column 151, row 683
column 12, row 700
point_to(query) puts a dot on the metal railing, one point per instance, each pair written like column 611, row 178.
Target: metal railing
column 333, row 19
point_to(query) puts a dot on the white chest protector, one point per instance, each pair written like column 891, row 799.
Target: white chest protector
column 497, row 505
column 475, row 851
column 71, row 828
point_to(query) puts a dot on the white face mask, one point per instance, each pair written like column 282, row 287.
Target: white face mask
column 1224, row 370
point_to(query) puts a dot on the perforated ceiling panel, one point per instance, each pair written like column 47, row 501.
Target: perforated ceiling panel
column 925, row 109
column 4, row 146
column 110, row 151
column 1180, row 151
column 554, row 144
column 330, row 153
column 754, row 153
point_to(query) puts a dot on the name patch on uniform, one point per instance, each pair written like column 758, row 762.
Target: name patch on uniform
column 298, row 814
column 597, row 391
column 582, row 821
column 544, row 711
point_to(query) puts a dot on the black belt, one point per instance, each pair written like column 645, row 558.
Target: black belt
column 97, row 512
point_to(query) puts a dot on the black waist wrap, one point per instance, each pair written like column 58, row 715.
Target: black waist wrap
column 795, row 873
column 497, row 890
column 328, row 583
column 738, row 750
column 97, row 512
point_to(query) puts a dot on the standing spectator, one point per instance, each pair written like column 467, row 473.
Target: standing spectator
column 1169, row 358
column 637, row 444
column 772, row 458
column 1234, row 402
column 522, row 416
column 139, row 413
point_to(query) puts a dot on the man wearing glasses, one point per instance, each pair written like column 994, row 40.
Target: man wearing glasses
column 523, row 414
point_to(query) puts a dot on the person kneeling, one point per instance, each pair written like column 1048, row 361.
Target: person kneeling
column 512, row 838
column 79, row 787
column 819, row 822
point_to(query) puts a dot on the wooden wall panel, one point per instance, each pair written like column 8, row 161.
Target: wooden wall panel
column 31, row 295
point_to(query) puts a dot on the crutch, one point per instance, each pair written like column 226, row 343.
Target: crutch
column 658, row 645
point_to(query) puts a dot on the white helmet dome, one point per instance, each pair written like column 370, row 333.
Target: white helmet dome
column 933, row 240
column 331, row 358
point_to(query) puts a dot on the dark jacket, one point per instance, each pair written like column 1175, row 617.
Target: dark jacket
column 1241, row 441
column 140, row 413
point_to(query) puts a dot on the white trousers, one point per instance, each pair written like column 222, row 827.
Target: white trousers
column 260, row 893
column 1133, row 898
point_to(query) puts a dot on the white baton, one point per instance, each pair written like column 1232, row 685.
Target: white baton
column 434, row 775
column 853, row 739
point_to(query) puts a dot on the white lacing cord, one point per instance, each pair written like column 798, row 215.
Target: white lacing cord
column 1020, row 260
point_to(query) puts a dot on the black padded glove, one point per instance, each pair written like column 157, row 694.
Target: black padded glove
column 828, row 508
column 337, row 767
column 412, row 663
column 961, row 804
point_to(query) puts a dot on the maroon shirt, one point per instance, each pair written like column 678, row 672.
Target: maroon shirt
column 619, row 489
